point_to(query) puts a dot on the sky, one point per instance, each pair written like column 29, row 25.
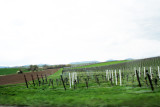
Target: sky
column 64, row 31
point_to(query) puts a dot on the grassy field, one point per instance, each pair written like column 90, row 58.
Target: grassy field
column 102, row 64
column 94, row 96
column 6, row 71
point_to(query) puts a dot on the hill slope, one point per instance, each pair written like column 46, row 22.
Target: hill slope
column 102, row 64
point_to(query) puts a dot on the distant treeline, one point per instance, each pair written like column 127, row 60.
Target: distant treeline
column 55, row 66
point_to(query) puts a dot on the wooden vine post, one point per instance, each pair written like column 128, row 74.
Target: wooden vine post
column 25, row 81
column 46, row 78
column 74, row 84
column 63, row 83
column 38, row 80
column 32, row 80
column 52, row 83
column 86, row 83
column 138, row 79
column 150, row 81
column 42, row 80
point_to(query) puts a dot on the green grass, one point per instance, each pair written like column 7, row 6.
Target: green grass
column 94, row 96
column 57, row 74
column 6, row 71
column 102, row 64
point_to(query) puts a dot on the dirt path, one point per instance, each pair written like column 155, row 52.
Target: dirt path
column 19, row 78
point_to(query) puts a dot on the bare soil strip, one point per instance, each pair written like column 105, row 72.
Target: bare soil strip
column 19, row 78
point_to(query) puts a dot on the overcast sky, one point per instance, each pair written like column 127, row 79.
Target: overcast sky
column 64, row 31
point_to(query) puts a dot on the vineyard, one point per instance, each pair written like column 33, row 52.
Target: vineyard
column 129, row 83
column 142, row 73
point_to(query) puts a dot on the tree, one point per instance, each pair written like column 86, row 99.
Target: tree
column 33, row 68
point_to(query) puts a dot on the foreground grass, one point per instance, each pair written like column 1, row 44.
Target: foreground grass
column 6, row 71
column 100, row 96
column 94, row 96
column 102, row 64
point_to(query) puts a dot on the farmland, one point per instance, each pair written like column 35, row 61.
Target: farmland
column 6, row 71
column 118, row 84
column 19, row 78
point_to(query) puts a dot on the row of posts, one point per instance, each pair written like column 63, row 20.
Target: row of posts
column 109, row 76
column 150, row 69
column 33, row 80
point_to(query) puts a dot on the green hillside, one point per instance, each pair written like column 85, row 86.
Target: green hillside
column 102, row 64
